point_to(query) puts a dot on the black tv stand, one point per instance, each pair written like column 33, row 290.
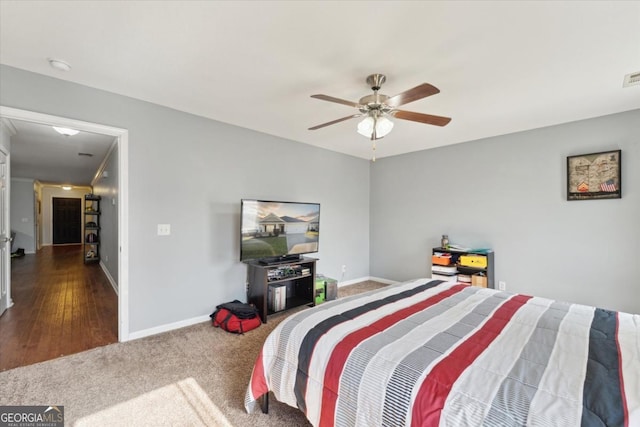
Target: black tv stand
column 298, row 279
column 279, row 260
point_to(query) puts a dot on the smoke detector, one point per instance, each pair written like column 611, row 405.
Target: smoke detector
column 59, row 64
column 631, row 79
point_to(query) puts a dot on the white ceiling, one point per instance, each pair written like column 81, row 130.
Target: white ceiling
column 501, row 66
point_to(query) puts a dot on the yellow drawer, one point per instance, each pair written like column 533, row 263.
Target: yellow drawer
column 478, row 261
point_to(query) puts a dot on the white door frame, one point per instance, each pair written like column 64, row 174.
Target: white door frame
column 122, row 137
column 6, row 256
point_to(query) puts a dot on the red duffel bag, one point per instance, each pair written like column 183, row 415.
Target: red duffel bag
column 236, row 317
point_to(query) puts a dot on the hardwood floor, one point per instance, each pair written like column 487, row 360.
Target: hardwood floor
column 61, row 306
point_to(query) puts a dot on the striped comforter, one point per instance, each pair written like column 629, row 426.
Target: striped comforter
column 426, row 353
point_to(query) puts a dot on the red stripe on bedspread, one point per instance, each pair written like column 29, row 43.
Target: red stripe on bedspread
column 258, row 381
column 343, row 349
column 435, row 388
column 625, row 408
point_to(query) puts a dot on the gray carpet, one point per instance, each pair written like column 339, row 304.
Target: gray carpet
column 199, row 371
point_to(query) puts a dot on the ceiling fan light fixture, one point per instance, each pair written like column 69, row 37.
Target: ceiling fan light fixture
column 66, row 131
column 365, row 127
column 382, row 124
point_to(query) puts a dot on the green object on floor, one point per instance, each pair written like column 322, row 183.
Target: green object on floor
column 319, row 289
column 329, row 288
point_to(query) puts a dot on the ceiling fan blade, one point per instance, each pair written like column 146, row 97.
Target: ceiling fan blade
column 418, row 92
column 338, row 100
column 422, row 118
column 335, row 121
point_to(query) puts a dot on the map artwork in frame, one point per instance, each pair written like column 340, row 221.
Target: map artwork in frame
column 594, row 176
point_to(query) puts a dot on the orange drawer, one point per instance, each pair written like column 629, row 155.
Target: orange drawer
column 444, row 259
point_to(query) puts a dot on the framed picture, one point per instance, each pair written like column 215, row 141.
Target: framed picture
column 594, row 176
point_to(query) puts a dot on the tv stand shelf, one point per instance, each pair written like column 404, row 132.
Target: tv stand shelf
column 299, row 287
column 272, row 282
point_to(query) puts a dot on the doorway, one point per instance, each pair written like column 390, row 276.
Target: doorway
column 122, row 143
column 67, row 220
column 5, row 239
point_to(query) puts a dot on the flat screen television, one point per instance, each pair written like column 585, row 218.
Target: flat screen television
column 273, row 231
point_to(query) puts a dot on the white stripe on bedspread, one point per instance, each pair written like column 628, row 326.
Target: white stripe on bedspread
column 629, row 338
column 558, row 400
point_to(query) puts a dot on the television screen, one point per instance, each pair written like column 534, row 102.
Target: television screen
column 272, row 230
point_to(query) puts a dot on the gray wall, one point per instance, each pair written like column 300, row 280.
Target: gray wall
column 22, row 214
column 509, row 193
column 192, row 172
column 106, row 186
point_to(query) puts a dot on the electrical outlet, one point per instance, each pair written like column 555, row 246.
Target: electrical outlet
column 164, row 229
column 344, row 268
column 502, row 285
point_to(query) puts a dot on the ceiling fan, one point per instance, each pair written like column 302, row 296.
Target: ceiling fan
column 377, row 107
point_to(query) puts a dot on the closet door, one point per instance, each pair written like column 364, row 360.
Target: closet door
column 67, row 220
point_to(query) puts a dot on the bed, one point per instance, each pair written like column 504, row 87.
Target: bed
column 429, row 353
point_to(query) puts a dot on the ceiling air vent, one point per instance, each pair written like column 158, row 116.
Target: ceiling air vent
column 631, row 79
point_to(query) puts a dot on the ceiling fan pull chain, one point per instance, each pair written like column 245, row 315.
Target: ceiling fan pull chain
column 374, row 151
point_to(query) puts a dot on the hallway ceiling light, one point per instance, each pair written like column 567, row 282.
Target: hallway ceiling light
column 66, row 131
column 67, row 187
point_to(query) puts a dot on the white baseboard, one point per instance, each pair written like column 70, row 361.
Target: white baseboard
column 364, row 279
column 385, row 281
column 114, row 285
column 168, row 327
